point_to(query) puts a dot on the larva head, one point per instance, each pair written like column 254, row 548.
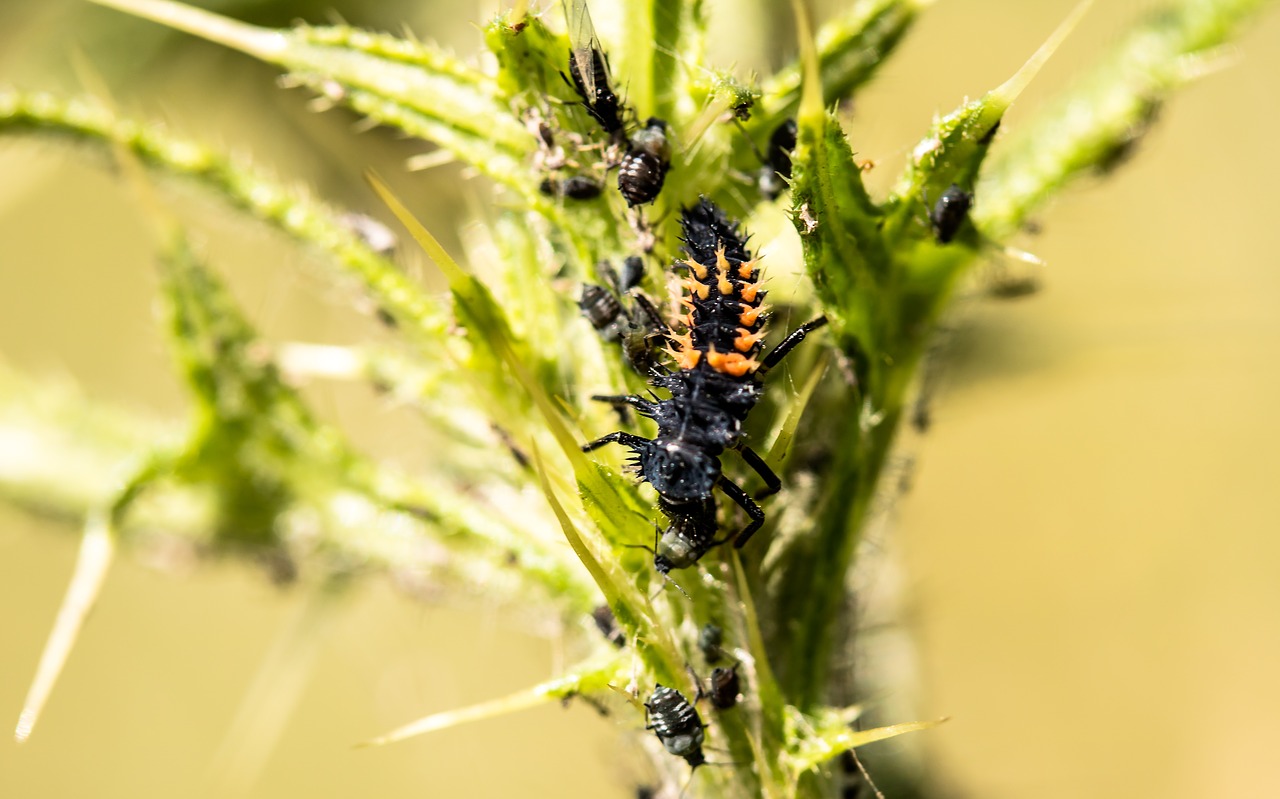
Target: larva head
column 706, row 229
column 680, row 546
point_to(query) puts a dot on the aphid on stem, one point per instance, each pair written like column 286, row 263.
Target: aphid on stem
column 644, row 167
column 949, row 213
column 714, row 388
column 676, row 723
column 589, row 72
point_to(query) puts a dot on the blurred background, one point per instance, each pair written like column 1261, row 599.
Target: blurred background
column 1088, row 552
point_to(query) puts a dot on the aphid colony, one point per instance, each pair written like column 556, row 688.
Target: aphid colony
column 717, row 359
column 715, row 385
column 646, row 157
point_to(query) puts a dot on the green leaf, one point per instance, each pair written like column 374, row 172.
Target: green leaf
column 399, row 83
column 588, row 678
column 1093, row 126
column 288, row 209
column 820, row 737
column 958, row 143
column 839, row 228
column 851, row 47
column 532, row 58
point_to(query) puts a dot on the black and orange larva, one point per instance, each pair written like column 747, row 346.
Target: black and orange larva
column 714, row 387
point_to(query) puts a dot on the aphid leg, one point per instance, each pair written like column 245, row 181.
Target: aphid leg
column 733, row 492
column 648, row 318
column 698, row 684
column 653, row 550
column 609, row 275
column 656, row 322
column 772, row 484
column 789, row 343
column 620, row 437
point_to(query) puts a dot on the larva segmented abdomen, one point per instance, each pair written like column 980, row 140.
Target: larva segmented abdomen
column 725, row 320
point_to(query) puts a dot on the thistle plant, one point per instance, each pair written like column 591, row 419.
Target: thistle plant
column 503, row 367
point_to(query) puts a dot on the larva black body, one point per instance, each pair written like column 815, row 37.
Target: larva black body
column 715, row 386
column 676, row 723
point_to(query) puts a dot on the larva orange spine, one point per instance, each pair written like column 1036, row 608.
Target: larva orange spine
column 716, row 385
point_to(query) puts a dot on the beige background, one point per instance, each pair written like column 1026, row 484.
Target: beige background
column 1090, row 548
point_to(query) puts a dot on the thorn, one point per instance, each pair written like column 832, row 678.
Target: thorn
column 96, row 551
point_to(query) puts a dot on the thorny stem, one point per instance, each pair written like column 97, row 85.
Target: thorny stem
column 526, row 363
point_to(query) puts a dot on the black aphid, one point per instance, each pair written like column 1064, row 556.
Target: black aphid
column 601, row 308
column 607, row 624
column 644, row 167
column 575, row 187
column 716, row 386
column 618, row 314
column 776, row 172
column 676, row 723
column 949, row 213
column 725, row 687
column 709, row 639
column 589, row 71
column 632, row 273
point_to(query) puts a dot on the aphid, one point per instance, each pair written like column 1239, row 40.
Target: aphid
column 637, row 324
column 386, row 317
column 550, row 155
column 716, row 386
column 601, row 309
column 949, row 213
column 776, row 172
column 676, row 723
column 709, row 639
column 725, row 687
column 589, row 71
column 644, row 167
column 607, row 624
column 632, row 273
column 575, row 187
